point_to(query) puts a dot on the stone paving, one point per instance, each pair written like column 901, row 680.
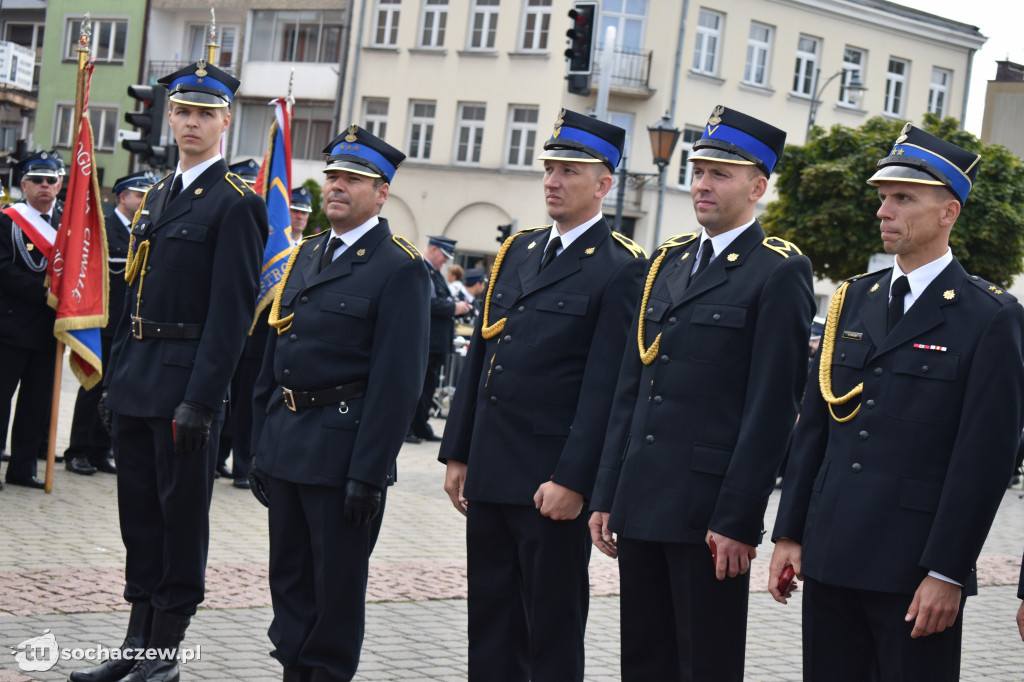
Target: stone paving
column 61, row 571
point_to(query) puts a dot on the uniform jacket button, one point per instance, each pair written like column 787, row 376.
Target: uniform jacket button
column 842, row 356
column 561, row 304
column 498, row 296
column 649, row 439
column 493, row 400
column 342, row 305
column 924, row 369
column 663, row 359
column 304, row 299
column 877, row 371
column 869, row 404
column 521, row 308
column 498, row 369
column 716, row 317
column 855, row 467
column 657, row 400
column 672, row 320
column 287, row 372
column 507, row 338
column 294, row 337
column 863, row 435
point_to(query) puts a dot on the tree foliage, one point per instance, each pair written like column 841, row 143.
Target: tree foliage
column 826, row 207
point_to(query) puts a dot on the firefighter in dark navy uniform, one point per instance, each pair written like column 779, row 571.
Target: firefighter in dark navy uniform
column 341, row 375
column 89, row 446
column 907, row 435
column 525, row 430
column 703, row 410
column 27, row 344
column 192, row 274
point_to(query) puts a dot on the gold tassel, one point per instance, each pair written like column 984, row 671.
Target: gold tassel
column 828, row 342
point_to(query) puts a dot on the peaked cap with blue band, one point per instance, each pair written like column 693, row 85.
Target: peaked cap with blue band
column 248, row 170
column 136, row 182
column 363, row 153
column 302, row 200
column 201, row 85
column 731, row 136
column 921, row 157
column 446, row 244
column 581, row 138
column 40, row 164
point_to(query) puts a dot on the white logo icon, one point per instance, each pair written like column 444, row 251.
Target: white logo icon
column 38, row 654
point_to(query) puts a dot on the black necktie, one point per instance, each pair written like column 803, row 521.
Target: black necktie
column 45, row 217
column 900, row 288
column 550, row 251
column 175, row 188
column 328, row 256
column 706, row 252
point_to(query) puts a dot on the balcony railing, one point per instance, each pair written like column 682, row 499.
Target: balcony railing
column 159, row 68
column 631, row 68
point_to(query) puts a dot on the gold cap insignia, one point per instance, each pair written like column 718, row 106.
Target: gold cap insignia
column 948, row 294
column 532, row 244
column 352, row 129
column 732, row 257
column 201, row 68
column 199, row 190
column 903, row 133
column 590, row 251
column 874, row 288
column 558, row 123
column 716, row 115
column 361, row 252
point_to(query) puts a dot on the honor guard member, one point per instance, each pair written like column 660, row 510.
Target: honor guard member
column 476, row 285
column 703, row 411
column 525, row 431
column 192, row 271
column 341, row 376
column 248, row 170
column 443, row 311
column 907, row 436
column 89, row 446
column 300, row 207
column 27, row 344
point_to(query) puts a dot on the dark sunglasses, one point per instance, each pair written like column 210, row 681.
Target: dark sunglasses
column 40, row 180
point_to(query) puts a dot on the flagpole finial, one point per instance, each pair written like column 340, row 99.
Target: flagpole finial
column 291, row 81
column 211, row 44
column 84, row 37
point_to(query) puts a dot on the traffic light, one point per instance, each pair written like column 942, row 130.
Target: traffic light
column 149, row 119
column 581, row 38
column 504, row 231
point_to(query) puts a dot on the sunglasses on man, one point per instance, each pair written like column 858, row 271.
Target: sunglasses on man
column 41, row 179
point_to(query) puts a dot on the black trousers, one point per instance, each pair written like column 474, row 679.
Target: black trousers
column 163, row 501
column 529, row 594
column 861, row 636
column 32, row 369
column 420, row 424
column 318, row 571
column 679, row 623
column 88, row 438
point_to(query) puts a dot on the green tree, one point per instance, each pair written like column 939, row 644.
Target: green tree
column 317, row 220
column 826, row 207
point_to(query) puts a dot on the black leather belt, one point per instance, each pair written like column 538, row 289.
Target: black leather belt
column 144, row 329
column 325, row 396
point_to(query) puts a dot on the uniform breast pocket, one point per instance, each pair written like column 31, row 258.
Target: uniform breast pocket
column 848, row 360
column 347, row 321
column 502, row 299
column 187, row 247
column 562, row 323
column 717, row 333
column 923, row 386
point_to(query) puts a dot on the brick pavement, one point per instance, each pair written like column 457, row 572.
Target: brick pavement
column 60, row 569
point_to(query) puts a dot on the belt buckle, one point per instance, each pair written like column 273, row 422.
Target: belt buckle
column 289, row 399
column 137, row 327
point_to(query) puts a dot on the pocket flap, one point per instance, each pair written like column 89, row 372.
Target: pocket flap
column 710, row 460
column 920, row 494
column 188, row 231
column 719, row 315
column 656, row 309
column 851, row 353
column 561, row 302
column 926, row 364
column 345, row 304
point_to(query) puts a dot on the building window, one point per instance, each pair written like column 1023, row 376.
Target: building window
column 470, row 136
column 895, row 85
column 28, row 35
column 483, row 24
column 804, row 75
column 522, row 136
column 939, row 91
column 385, row 30
column 296, row 36
column 536, row 22
column 759, row 46
column 435, row 19
column 709, row 35
column 375, row 116
column 689, row 136
column 853, row 69
column 627, row 16
column 104, row 122
column 109, row 38
column 311, row 130
column 227, row 39
column 421, row 129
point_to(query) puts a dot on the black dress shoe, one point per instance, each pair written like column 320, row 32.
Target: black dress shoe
column 30, row 482
column 413, row 439
column 4, row 456
column 242, row 483
column 105, row 466
column 432, row 438
column 79, row 465
column 222, row 470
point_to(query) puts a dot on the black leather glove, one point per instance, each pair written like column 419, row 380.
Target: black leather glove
column 362, row 502
column 258, row 486
column 192, row 427
column 106, row 416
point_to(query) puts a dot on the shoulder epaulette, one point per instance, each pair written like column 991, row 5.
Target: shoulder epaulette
column 996, row 292
column 406, row 246
column 781, row 246
column 856, row 277
column 631, row 246
column 534, row 229
column 678, row 240
column 240, row 185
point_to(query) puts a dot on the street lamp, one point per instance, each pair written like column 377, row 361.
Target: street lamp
column 854, row 87
column 664, row 136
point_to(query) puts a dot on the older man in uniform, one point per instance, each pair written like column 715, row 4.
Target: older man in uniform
column 907, row 437
column 193, row 265
column 525, row 431
column 27, row 344
column 89, row 446
column 340, row 379
column 703, row 410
